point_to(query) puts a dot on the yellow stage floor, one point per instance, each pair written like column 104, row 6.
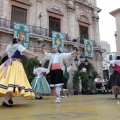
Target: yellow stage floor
column 76, row 107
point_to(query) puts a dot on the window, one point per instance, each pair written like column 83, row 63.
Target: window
column 18, row 15
column 54, row 24
column 110, row 57
column 83, row 33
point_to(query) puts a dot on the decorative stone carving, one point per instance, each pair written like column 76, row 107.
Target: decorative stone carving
column 70, row 6
column 40, row 1
column 55, row 9
column 28, row 2
column 84, row 19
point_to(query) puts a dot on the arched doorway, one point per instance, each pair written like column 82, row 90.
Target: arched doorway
column 89, row 68
column 4, row 59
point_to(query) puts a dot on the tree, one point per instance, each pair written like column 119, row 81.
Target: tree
column 32, row 62
column 94, row 74
column 76, row 80
column 85, row 80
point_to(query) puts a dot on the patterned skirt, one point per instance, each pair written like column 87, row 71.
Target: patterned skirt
column 15, row 81
column 114, row 82
column 40, row 85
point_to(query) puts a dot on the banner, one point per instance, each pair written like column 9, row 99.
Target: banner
column 21, row 31
column 58, row 39
column 88, row 48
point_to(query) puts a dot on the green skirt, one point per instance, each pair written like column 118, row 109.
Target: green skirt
column 40, row 85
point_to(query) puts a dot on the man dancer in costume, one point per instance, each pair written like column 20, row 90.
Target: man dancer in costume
column 56, row 68
column 65, row 80
column 13, row 79
column 39, row 83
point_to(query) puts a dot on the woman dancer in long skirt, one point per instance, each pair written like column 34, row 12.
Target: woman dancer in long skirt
column 114, row 82
column 13, row 79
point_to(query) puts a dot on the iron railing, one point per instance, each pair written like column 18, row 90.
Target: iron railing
column 7, row 24
column 81, row 41
column 86, row 1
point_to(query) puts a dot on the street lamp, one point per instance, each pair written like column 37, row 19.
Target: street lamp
column 83, row 63
column 40, row 16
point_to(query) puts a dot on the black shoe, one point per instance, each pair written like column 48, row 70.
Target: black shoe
column 41, row 97
column 6, row 105
column 38, row 97
column 10, row 101
column 116, row 95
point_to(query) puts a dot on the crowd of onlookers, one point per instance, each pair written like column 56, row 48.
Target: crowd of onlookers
column 101, row 84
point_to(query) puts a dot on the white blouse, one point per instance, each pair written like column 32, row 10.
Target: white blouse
column 57, row 56
column 38, row 71
column 11, row 49
column 115, row 62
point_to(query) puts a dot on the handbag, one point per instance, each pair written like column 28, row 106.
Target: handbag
column 55, row 66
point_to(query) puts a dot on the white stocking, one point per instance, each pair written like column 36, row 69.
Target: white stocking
column 37, row 95
column 58, row 89
column 10, row 96
column 7, row 97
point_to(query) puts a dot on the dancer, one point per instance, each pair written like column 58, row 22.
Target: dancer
column 39, row 83
column 56, row 68
column 65, row 80
column 114, row 81
column 13, row 79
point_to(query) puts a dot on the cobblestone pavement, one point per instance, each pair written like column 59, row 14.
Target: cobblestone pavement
column 76, row 107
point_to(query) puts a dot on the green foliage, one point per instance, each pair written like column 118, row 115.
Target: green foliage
column 94, row 74
column 76, row 80
column 32, row 62
column 85, row 80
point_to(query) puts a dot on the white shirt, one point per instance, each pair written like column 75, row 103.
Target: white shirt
column 57, row 58
column 115, row 61
column 12, row 48
column 38, row 71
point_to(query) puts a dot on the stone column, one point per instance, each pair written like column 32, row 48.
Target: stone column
column 71, row 19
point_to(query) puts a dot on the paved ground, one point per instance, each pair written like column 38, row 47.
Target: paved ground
column 77, row 107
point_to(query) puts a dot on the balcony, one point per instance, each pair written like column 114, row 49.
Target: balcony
column 81, row 41
column 86, row 2
column 34, row 30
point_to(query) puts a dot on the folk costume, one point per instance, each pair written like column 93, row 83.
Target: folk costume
column 65, row 80
column 13, row 79
column 56, row 70
column 39, row 83
column 114, row 82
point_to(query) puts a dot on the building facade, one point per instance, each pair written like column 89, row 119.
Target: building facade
column 76, row 19
column 116, row 14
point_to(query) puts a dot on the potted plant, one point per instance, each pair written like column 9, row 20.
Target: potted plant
column 85, row 82
column 76, row 81
column 94, row 74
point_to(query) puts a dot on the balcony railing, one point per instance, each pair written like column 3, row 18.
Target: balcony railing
column 81, row 41
column 87, row 2
column 7, row 24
